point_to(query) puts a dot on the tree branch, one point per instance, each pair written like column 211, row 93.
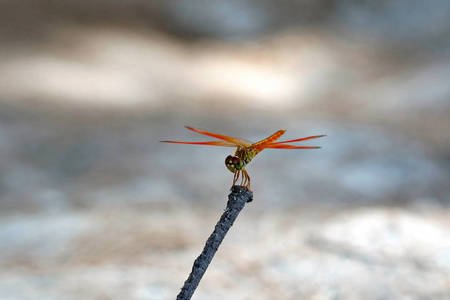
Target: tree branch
column 236, row 202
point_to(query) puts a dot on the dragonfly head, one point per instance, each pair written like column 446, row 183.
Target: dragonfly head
column 233, row 163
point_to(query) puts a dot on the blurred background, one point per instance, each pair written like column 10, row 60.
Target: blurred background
column 92, row 206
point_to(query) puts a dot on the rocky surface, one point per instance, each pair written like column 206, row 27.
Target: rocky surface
column 93, row 207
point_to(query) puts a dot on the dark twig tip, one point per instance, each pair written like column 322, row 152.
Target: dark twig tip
column 243, row 192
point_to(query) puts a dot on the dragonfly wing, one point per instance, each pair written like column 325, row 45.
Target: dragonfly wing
column 300, row 140
column 234, row 140
column 282, row 146
column 212, row 143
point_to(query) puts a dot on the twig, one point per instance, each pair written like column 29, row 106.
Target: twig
column 236, row 202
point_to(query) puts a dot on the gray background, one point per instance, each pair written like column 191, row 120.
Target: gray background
column 93, row 207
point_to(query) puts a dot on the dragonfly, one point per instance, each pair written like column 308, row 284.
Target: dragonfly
column 246, row 150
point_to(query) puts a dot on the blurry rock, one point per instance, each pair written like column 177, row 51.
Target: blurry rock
column 239, row 18
column 235, row 18
column 388, row 237
column 39, row 239
column 402, row 21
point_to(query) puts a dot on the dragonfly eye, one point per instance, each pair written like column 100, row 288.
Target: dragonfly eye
column 233, row 163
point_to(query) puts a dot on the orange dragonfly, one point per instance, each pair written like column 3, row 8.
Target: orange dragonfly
column 246, row 150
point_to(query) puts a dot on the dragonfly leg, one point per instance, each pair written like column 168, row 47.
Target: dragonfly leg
column 247, row 179
column 235, row 178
